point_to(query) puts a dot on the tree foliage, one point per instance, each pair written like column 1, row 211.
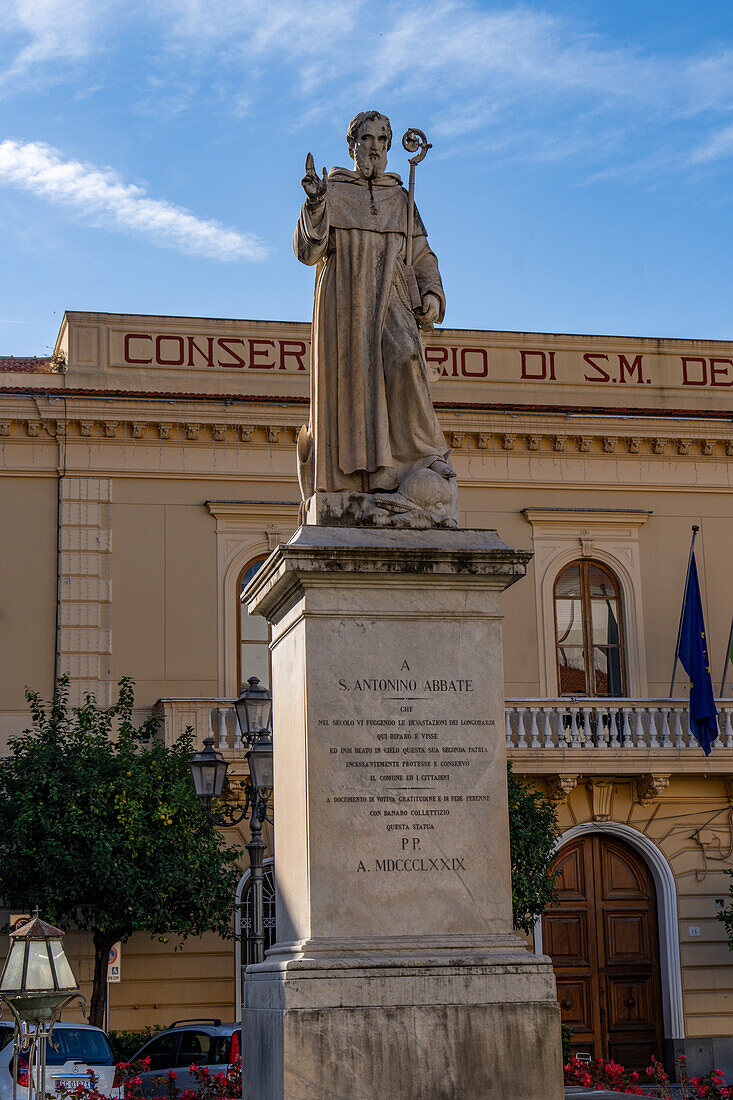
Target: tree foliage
column 100, row 827
column 532, row 835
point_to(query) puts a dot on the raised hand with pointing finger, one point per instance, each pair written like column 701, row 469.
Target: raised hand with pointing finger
column 313, row 185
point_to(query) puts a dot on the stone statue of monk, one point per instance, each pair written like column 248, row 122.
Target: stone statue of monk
column 373, row 452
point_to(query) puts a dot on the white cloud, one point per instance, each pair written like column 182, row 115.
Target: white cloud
column 715, row 148
column 101, row 198
column 474, row 68
column 49, row 32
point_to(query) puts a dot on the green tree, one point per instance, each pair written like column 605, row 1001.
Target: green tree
column 100, row 827
column 532, row 835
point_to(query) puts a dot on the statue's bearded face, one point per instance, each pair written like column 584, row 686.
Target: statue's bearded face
column 370, row 149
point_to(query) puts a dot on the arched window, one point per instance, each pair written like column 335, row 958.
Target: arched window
column 589, row 631
column 253, row 650
column 268, row 905
column 243, row 922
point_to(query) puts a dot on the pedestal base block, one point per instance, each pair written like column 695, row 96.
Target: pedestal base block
column 435, row 1032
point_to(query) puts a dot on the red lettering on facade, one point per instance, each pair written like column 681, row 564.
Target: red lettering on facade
column 136, row 336
column 453, row 355
column 545, row 368
column 722, row 371
column 602, row 375
column 292, row 349
column 207, row 355
column 225, row 343
column 478, row 370
column 256, row 353
column 159, row 341
column 686, row 380
column 624, row 365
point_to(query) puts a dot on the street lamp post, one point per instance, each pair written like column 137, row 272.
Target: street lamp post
column 36, row 984
column 209, row 772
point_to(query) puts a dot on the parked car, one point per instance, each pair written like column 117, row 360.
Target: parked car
column 189, row 1043
column 72, row 1051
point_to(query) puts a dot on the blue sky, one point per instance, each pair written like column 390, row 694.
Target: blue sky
column 580, row 180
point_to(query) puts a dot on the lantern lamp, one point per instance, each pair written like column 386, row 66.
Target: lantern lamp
column 209, row 772
column 254, row 709
column 259, row 761
column 37, row 979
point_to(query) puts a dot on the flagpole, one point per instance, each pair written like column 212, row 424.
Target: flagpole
column 727, row 658
column 695, row 529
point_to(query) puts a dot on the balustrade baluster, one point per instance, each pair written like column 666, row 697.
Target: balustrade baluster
column 678, row 739
column 587, row 729
column 666, row 739
column 223, row 738
column 574, row 738
column 639, row 727
column 521, row 728
column 728, row 732
column 508, row 727
column 653, row 742
column 613, row 738
column 601, row 728
column 534, row 742
column 546, row 729
column 238, row 742
column 627, row 742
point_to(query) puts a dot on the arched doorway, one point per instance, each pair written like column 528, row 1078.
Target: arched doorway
column 603, row 941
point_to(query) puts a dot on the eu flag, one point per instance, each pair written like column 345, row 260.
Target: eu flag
column 693, row 653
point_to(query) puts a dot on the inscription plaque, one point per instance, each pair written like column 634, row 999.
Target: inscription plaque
column 407, row 775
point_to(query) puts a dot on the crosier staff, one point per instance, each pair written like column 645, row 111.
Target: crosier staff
column 414, row 141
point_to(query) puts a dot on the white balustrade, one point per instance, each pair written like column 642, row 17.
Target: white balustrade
column 205, row 717
column 623, row 725
column 531, row 725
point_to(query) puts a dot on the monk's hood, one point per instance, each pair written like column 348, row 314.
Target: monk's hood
column 382, row 208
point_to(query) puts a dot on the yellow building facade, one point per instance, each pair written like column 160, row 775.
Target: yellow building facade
column 148, row 467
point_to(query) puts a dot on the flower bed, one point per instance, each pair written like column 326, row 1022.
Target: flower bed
column 654, row 1082
column 219, row 1086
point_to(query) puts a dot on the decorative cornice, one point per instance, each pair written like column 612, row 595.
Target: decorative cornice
column 588, row 517
column 273, row 423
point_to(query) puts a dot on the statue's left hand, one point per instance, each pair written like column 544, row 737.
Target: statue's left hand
column 430, row 311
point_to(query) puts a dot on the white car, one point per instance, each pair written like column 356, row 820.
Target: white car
column 73, row 1050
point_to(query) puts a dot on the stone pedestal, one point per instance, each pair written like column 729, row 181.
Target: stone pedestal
column 396, row 971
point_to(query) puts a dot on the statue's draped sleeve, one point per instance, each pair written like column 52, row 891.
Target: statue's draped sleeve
column 310, row 239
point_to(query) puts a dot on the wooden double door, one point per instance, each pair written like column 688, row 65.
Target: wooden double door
column 603, row 940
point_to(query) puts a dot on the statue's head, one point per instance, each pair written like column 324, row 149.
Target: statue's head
column 369, row 137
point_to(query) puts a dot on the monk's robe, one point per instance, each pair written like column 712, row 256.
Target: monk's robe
column 372, row 418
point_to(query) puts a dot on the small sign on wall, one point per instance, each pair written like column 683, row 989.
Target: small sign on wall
column 113, row 963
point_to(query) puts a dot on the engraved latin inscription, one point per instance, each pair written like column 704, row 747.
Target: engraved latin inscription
column 408, row 760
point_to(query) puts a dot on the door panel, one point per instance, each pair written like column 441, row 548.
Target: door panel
column 570, row 882
column 626, row 938
column 602, row 938
column 575, row 1000
column 567, row 939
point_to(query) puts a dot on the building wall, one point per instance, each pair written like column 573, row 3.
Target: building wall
column 174, row 477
